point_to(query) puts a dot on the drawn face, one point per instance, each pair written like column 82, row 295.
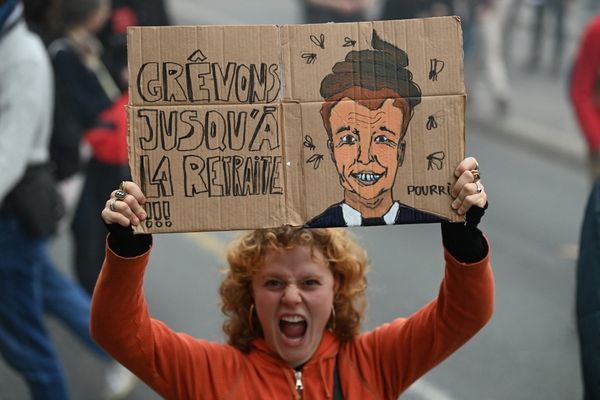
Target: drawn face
column 365, row 146
column 293, row 295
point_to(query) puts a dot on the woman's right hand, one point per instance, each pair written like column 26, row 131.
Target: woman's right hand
column 124, row 207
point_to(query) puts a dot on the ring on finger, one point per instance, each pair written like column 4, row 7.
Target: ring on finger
column 120, row 194
column 476, row 175
column 479, row 186
column 122, row 186
column 111, row 205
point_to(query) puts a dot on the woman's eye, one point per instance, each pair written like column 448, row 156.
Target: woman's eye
column 312, row 282
column 272, row 283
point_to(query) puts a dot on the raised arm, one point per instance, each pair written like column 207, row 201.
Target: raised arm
column 407, row 348
column 175, row 365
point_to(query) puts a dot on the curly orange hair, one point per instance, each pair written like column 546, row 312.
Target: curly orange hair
column 347, row 261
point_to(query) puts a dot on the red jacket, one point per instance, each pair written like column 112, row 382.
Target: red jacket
column 585, row 84
column 379, row 364
column 108, row 138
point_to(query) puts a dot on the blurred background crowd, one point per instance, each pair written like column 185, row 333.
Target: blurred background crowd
column 530, row 71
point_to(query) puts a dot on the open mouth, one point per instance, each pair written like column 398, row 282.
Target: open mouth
column 366, row 178
column 293, row 327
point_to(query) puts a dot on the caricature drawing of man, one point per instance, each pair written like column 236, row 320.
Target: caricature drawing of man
column 369, row 102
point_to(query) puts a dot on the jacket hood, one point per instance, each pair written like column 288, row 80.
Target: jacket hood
column 265, row 359
column 328, row 348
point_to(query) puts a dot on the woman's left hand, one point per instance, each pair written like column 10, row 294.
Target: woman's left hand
column 468, row 191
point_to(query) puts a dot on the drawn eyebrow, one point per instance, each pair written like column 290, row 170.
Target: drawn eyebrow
column 342, row 129
column 385, row 129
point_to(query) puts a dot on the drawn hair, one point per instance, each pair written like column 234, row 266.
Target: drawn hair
column 384, row 67
column 347, row 261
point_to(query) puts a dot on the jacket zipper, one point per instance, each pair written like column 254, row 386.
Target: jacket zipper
column 299, row 385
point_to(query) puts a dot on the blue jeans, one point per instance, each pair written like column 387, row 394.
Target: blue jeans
column 30, row 287
column 588, row 296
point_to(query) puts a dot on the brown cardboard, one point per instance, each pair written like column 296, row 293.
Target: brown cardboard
column 226, row 132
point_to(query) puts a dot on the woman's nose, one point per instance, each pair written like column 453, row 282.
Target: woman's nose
column 291, row 294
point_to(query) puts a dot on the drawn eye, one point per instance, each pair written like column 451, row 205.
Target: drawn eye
column 382, row 139
column 348, row 139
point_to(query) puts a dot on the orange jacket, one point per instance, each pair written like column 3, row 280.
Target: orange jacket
column 379, row 364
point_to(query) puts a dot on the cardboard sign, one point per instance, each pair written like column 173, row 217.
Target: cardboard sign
column 243, row 127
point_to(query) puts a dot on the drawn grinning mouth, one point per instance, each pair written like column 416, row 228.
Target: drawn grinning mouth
column 366, row 178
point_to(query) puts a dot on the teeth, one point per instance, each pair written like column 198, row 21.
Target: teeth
column 292, row 318
column 368, row 177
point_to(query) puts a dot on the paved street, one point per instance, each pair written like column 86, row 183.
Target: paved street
column 528, row 351
column 533, row 171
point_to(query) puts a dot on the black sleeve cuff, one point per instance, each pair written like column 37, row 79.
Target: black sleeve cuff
column 464, row 240
column 124, row 243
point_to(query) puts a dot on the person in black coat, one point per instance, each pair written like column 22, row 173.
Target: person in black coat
column 587, row 299
column 403, row 9
column 322, row 11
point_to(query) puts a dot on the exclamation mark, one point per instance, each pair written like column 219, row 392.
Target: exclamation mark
column 167, row 214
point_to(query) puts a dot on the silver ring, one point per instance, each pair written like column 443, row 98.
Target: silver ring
column 111, row 205
column 120, row 194
column 479, row 187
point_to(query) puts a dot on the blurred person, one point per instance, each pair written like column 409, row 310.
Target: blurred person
column 489, row 66
column 587, row 299
column 90, row 110
column 321, row 11
column 30, row 284
column 38, row 18
column 464, row 9
column 585, row 92
column 406, row 9
column 511, row 24
column 42, row 18
column 558, row 9
column 293, row 299
column 65, row 134
column 113, row 35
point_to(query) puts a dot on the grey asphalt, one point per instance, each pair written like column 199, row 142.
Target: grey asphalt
column 540, row 115
column 540, row 118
